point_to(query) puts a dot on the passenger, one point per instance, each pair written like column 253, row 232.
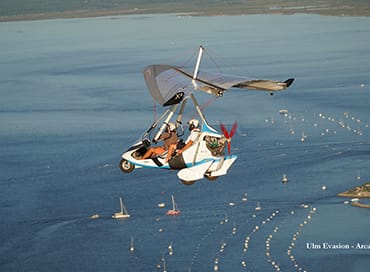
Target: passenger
column 194, row 134
column 169, row 139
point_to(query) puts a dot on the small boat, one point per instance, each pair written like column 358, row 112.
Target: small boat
column 95, row 216
column 132, row 248
column 258, row 207
column 123, row 213
column 245, row 197
column 284, row 179
column 303, row 138
column 284, row 112
column 174, row 210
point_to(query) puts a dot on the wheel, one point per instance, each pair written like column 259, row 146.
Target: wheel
column 188, row 182
column 126, row 166
column 211, row 178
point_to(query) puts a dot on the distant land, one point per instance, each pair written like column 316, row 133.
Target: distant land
column 12, row 10
column 358, row 192
column 362, row 191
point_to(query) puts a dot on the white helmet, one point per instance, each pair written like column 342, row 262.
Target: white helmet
column 193, row 123
column 171, row 126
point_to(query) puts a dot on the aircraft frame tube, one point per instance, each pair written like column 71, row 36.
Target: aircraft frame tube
column 198, row 62
column 165, row 123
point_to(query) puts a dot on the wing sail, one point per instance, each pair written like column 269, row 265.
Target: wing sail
column 166, row 85
column 169, row 85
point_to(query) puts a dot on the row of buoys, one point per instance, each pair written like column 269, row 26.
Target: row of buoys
column 294, row 239
column 274, row 263
column 253, row 232
column 205, row 237
column 162, row 263
column 348, row 122
column 223, row 244
column 352, row 124
column 244, row 260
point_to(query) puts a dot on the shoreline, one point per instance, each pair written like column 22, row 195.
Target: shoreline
column 360, row 205
column 91, row 13
column 357, row 193
column 354, row 195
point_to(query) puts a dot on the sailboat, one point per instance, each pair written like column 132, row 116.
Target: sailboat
column 303, row 138
column 132, row 248
column 284, row 179
column 123, row 213
column 258, row 207
column 174, row 210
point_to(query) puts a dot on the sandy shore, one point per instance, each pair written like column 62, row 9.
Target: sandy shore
column 354, row 195
column 238, row 10
column 360, row 205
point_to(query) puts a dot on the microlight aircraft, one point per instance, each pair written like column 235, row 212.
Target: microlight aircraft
column 172, row 87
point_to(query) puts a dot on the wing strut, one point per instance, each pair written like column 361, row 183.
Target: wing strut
column 179, row 117
column 165, row 123
column 198, row 62
column 198, row 108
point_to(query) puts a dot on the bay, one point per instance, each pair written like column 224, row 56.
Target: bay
column 73, row 99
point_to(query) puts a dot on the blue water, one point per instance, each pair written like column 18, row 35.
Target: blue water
column 73, row 99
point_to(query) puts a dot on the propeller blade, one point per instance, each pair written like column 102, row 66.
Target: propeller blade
column 233, row 129
column 229, row 135
column 224, row 131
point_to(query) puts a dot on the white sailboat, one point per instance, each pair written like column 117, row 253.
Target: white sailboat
column 174, row 210
column 303, row 137
column 123, row 213
column 358, row 175
column 132, row 248
column 284, row 179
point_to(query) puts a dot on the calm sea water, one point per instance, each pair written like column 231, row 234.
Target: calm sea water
column 73, row 99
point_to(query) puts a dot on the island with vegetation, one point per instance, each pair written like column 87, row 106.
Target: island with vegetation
column 11, row 10
column 358, row 192
column 362, row 191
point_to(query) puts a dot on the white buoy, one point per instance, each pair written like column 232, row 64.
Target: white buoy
column 170, row 249
column 234, row 230
column 323, row 187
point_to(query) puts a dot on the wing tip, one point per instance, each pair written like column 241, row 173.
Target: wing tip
column 289, row 82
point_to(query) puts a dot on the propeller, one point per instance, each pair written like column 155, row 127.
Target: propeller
column 229, row 135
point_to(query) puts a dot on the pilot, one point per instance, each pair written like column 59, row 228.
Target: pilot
column 169, row 139
column 193, row 136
